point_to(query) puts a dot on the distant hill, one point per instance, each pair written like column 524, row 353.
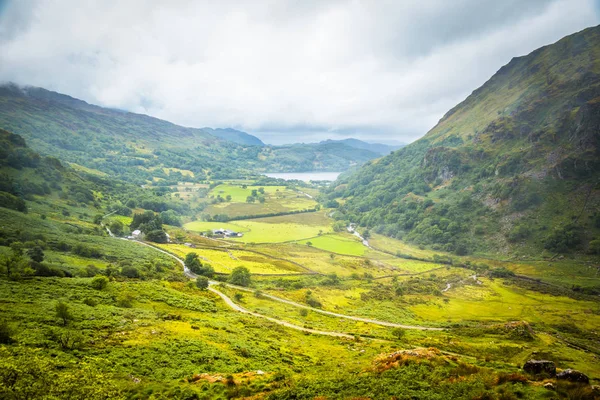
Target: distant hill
column 325, row 156
column 513, row 168
column 379, row 148
column 235, row 136
column 141, row 149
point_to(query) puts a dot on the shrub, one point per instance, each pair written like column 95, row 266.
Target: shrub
column 63, row 312
column 90, row 302
column 6, row 333
column 125, row 300
column 99, row 282
column 564, row 239
column 130, row 272
column 202, row 282
column 399, row 333
column 240, row 276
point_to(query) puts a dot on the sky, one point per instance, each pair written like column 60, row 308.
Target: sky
column 287, row 70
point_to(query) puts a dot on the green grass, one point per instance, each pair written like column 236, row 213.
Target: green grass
column 264, row 230
column 278, row 199
column 337, row 243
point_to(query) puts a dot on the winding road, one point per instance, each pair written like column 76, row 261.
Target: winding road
column 241, row 309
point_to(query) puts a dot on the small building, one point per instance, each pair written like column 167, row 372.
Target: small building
column 136, row 234
column 226, row 233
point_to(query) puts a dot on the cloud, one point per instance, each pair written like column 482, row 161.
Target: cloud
column 284, row 70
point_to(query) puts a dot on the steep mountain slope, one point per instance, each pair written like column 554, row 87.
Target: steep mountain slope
column 380, row 148
column 514, row 167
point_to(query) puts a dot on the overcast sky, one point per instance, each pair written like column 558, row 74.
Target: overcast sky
column 286, row 71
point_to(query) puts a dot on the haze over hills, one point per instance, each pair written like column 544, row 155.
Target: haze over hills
column 383, row 149
column 514, row 167
column 138, row 147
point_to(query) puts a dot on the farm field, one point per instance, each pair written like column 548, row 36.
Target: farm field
column 225, row 260
column 265, row 230
column 278, row 199
column 337, row 243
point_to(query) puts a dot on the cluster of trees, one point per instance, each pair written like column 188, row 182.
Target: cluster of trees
column 150, row 224
column 257, row 195
column 193, row 263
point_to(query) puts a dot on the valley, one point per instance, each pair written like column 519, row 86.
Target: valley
column 142, row 259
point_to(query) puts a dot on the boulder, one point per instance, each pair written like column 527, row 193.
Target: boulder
column 540, row 367
column 572, row 375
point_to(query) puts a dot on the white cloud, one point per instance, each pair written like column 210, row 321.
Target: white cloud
column 284, row 70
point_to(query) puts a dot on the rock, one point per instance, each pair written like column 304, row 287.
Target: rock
column 540, row 367
column 549, row 386
column 572, row 375
column 596, row 390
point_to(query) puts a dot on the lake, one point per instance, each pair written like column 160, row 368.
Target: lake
column 304, row 176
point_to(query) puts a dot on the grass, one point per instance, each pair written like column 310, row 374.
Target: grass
column 338, row 243
column 224, row 261
column 264, row 230
column 278, row 199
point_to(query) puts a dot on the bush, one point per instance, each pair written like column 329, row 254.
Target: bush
column 99, row 282
column 90, row 302
column 62, row 312
column 130, row 272
column 202, row 282
column 399, row 333
column 6, row 333
column 564, row 240
column 125, row 300
column 240, row 276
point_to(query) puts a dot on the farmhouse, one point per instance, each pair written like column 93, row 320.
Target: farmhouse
column 226, row 233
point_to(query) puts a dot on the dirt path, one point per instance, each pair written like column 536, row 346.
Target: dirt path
column 351, row 317
column 237, row 307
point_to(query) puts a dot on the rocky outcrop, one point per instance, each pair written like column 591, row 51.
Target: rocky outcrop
column 572, row 375
column 536, row 367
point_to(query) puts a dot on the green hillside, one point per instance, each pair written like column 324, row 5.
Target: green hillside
column 513, row 168
column 142, row 149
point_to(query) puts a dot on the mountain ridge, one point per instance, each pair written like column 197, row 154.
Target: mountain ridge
column 519, row 155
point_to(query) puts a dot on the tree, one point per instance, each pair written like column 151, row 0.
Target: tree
column 202, row 282
column 255, row 192
column 250, row 199
column 157, row 236
column 240, row 276
column 62, row 312
column 116, row 227
column 261, row 190
column 192, row 262
column 130, row 272
column 99, row 282
column 14, row 263
column 399, row 333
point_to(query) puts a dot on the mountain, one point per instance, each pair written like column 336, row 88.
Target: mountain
column 235, row 136
column 513, row 168
column 325, row 156
column 379, row 148
column 141, row 149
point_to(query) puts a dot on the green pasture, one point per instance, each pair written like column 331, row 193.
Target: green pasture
column 225, row 260
column 338, row 243
column 264, row 230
